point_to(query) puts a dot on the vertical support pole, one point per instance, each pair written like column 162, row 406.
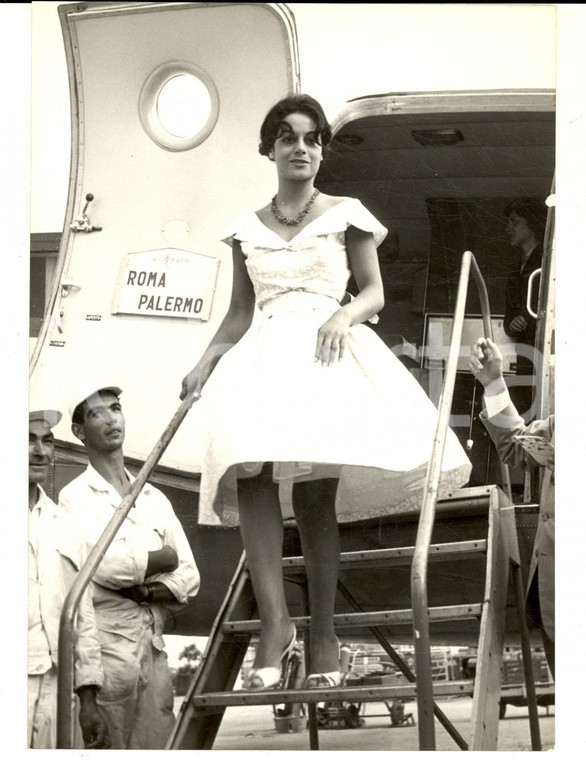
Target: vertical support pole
column 403, row 667
column 311, row 708
column 527, row 662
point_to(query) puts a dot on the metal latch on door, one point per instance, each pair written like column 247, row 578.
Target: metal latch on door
column 82, row 222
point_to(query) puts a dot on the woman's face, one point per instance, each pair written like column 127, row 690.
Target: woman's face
column 296, row 151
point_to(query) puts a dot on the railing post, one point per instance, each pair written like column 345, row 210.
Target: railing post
column 421, row 636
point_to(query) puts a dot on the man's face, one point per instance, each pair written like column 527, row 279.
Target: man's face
column 41, row 447
column 518, row 230
column 103, row 426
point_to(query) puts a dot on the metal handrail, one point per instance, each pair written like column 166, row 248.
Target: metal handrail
column 426, row 520
column 532, row 276
column 72, row 600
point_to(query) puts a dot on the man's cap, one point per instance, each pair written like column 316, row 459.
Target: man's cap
column 50, row 416
column 88, row 390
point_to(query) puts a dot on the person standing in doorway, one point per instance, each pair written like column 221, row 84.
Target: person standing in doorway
column 526, row 218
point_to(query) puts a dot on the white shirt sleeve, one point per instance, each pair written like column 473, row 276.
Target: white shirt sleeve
column 496, row 404
column 183, row 582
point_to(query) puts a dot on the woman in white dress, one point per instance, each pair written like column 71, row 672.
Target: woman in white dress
column 306, row 407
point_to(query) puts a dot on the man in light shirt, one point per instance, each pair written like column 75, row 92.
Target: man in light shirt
column 535, row 448
column 148, row 569
column 54, row 557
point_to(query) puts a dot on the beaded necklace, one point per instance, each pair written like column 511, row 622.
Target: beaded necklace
column 300, row 216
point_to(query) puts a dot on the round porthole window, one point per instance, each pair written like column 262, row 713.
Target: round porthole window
column 178, row 106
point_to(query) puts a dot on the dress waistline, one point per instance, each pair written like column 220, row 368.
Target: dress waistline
column 298, row 300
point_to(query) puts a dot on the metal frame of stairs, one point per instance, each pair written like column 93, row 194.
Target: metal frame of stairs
column 211, row 689
column 202, row 710
column 209, row 694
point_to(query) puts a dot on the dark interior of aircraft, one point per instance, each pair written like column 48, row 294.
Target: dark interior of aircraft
column 439, row 183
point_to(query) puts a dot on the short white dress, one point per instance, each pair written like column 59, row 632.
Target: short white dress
column 364, row 420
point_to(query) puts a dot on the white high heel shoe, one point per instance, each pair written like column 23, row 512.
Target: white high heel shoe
column 324, row 680
column 270, row 677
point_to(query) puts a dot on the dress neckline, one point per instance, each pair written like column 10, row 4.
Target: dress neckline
column 317, row 218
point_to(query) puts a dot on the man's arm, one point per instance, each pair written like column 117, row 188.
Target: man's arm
column 149, row 593
column 88, row 673
column 93, row 727
column 158, row 562
column 183, row 581
column 500, row 417
column 179, row 580
column 163, row 560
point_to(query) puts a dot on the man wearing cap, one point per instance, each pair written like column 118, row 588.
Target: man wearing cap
column 147, row 570
column 54, row 557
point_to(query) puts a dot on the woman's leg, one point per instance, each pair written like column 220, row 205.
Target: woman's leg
column 261, row 526
column 314, row 506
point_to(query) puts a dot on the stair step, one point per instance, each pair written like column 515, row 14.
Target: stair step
column 541, row 689
column 398, row 556
column 211, row 700
column 369, row 619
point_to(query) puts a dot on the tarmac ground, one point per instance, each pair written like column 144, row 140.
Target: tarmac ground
column 253, row 728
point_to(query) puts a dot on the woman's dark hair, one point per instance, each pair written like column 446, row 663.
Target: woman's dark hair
column 273, row 124
column 532, row 210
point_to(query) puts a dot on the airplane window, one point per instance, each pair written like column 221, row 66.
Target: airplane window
column 178, row 106
column 184, row 105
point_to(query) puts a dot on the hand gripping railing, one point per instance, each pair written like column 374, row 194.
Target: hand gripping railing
column 71, row 604
column 426, row 519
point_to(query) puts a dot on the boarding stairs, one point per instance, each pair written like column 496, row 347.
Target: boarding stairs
column 405, row 548
column 495, row 546
column 211, row 691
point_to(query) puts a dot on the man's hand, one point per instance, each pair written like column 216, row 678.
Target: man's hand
column 139, row 594
column 150, row 593
column 486, row 361
column 93, row 727
column 518, row 324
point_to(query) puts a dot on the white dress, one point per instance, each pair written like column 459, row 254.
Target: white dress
column 364, row 420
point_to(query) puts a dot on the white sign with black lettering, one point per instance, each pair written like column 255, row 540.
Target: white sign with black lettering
column 167, row 283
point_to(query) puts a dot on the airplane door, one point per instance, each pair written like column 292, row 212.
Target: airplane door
column 167, row 101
